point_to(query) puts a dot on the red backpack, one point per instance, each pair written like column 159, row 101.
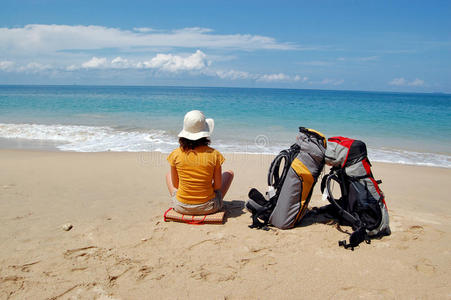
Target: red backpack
column 362, row 203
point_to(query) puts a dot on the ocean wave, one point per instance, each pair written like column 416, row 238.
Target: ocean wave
column 80, row 138
column 410, row 157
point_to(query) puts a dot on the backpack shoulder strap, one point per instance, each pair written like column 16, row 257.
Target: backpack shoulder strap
column 260, row 209
column 273, row 174
column 335, row 175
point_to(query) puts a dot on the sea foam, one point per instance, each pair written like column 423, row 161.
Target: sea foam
column 80, row 138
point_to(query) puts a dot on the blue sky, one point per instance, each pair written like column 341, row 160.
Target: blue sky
column 344, row 45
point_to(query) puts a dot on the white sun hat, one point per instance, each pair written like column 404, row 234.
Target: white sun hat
column 196, row 126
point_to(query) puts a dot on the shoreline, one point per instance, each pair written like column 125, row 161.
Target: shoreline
column 87, row 138
column 49, row 148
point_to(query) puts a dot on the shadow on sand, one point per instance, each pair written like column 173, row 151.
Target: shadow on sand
column 322, row 215
column 234, row 208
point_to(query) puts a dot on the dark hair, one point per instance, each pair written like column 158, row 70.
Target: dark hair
column 187, row 144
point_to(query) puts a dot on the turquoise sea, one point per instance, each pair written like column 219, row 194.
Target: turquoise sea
column 397, row 127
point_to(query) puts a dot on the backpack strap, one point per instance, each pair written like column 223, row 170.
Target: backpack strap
column 273, row 173
column 337, row 176
column 360, row 233
column 355, row 239
column 256, row 223
column 260, row 209
column 358, row 177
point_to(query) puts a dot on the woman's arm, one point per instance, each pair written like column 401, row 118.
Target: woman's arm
column 174, row 177
column 217, row 178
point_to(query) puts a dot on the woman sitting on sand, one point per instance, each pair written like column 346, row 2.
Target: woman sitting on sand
column 196, row 182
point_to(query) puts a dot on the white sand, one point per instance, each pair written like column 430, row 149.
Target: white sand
column 120, row 248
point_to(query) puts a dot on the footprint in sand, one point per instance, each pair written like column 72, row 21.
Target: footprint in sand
column 10, row 285
column 115, row 274
column 215, row 274
column 24, row 267
column 13, row 278
column 425, row 266
column 213, row 241
column 412, row 233
column 83, row 253
column 264, row 261
column 143, row 272
column 200, row 273
column 416, row 229
column 157, row 233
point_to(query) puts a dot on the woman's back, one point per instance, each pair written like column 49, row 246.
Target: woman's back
column 195, row 170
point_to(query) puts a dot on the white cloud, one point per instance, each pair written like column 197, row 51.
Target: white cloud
column 66, row 48
column 144, row 29
column 33, row 67
column 280, row 77
column 300, row 78
column 403, row 82
column 233, row 74
column 398, row 81
column 50, row 39
column 175, row 63
column 274, row 77
column 95, row 63
column 120, row 62
column 6, row 65
column 72, row 68
column 193, row 30
column 416, row 82
column 197, row 62
column 164, row 62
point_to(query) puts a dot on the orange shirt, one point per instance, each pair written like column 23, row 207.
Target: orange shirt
column 195, row 169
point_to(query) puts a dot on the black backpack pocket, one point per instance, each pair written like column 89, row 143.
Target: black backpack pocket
column 363, row 205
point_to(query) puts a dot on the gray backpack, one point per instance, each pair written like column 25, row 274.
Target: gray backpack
column 292, row 186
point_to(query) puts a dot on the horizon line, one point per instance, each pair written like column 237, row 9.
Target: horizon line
column 226, row 87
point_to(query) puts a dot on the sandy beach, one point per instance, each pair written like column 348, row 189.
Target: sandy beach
column 120, row 247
